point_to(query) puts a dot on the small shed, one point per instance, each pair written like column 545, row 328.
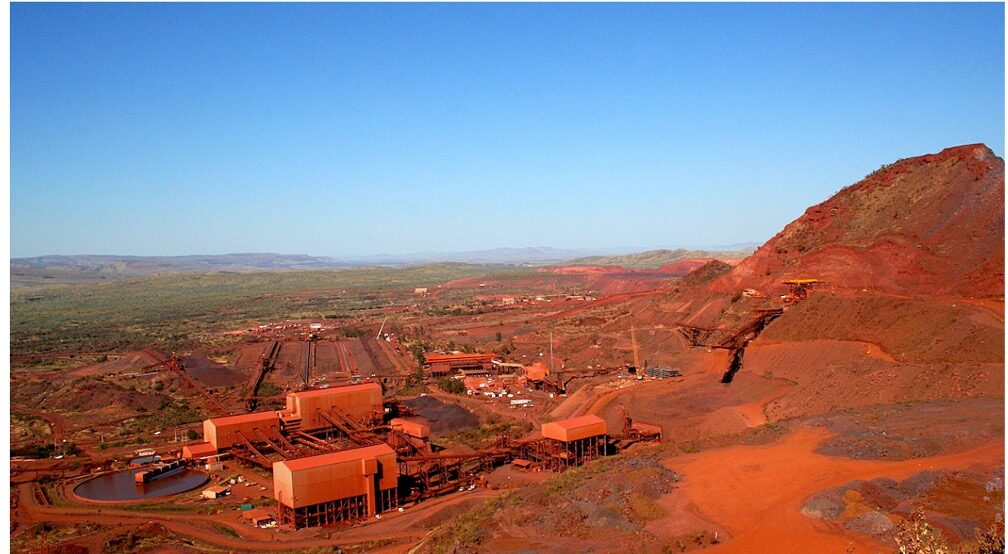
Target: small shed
column 258, row 516
column 215, row 491
column 198, row 450
column 522, row 464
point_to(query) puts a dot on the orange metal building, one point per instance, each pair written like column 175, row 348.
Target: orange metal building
column 198, row 450
column 536, row 372
column 576, row 440
column 356, row 402
column 224, row 432
column 568, row 430
column 411, row 427
column 337, row 487
column 441, row 365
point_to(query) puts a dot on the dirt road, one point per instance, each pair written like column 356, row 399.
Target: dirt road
column 404, row 528
column 755, row 493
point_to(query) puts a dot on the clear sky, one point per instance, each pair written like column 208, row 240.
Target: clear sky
column 154, row 129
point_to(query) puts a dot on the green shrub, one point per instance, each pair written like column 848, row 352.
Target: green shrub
column 453, row 386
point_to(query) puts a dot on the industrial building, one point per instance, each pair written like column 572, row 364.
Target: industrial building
column 225, row 432
column 337, row 487
column 565, row 443
column 336, row 457
column 443, row 365
column 353, row 405
column 198, row 451
column 582, row 438
column 315, row 409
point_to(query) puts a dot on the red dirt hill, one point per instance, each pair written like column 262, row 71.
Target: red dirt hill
column 932, row 224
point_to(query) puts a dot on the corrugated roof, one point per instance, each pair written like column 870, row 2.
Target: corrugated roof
column 537, row 371
column 336, row 390
column 578, row 422
column 366, row 453
column 457, row 357
column 245, row 418
column 201, row 448
column 256, row 513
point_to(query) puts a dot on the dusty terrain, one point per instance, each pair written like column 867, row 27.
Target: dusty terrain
column 881, row 392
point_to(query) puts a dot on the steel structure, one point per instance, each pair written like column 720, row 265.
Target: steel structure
column 735, row 343
column 266, row 363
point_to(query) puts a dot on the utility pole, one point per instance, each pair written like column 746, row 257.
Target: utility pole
column 551, row 352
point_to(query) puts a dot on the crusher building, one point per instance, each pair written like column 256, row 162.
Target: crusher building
column 225, row 432
column 315, row 409
column 443, row 365
column 579, row 439
column 337, row 487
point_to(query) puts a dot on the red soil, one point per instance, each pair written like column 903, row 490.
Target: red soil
column 751, row 493
column 930, row 224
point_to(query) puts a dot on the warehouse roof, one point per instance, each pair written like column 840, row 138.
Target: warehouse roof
column 334, row 390
column 433, row 358
column 366, row 453
column 199, row 449
column 579, row 422
column 245, row 418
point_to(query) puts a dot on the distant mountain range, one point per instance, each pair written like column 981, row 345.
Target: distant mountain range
column 657, row 258
column 88, row 267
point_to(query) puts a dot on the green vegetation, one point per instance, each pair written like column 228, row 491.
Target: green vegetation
column 28, row 427
column 268, row 389
column 490, row 431
column 170, row 414
column 162, row 507
column 227, row 530
column 180, row 310
column 465, row 530
column 45, row 450
column 571, row 479
column 453, row 386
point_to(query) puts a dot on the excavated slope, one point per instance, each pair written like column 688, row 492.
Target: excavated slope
column 931, row 224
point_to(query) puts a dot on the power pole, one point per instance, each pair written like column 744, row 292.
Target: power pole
column 551, row 352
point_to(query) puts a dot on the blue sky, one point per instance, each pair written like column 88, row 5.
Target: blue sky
column 343, row 129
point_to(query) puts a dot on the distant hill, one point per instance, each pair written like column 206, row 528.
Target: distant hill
column 86, row 268
column 534, row 255
column 653, row 259
column 931, row 224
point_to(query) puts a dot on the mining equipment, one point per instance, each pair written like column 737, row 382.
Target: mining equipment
column 799, row 289
column 636, row 431
column 663, row 373
column 637, row 368
column 266, row 363
column 311, row 358
column 734, row 343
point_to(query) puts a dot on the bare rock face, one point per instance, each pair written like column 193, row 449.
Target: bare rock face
column 932, row 224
